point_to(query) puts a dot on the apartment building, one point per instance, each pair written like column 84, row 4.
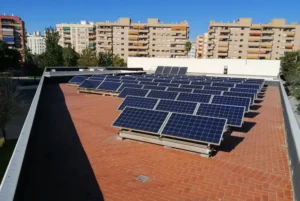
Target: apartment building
column 244, row 40
column 36, row 43
column 151, row 39
column 12, row 31
column 79, row 36
column 193, row 51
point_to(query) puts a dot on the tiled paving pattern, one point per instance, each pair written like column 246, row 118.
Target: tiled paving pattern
column 252, row 164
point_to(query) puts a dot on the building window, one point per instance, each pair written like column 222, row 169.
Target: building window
column 241, row 40
column 240, row 57
column 241, row 45
column 154, row 34
column 242, row 34
column 240, row 51
column 242, row 28
column 122, row 43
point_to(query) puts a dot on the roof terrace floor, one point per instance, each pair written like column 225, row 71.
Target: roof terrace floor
column 85, row 161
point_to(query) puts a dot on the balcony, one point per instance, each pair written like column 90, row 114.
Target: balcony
column 143, row 41
column 223, row 54
column 289, row 46
column 133, row 38
column 253, row 51
column 255, row 33
column 224, row 31
column 223, row 37
column 267, row 37
column 211, row 36
column 290, row 38
column 143, row 36
column 255, row 27
column 176, row 48
column 92, row 36
column 210, row 47
column 132, row 53
column 254, row 39
column 143, row 53
column 133, row 33
column 252, row 56
column 222, row 50
column 211, row 31
column 209, row 53
column 290, row 33
column 256, row 45
column 268, row 31
column 223, row 44
column 266, row 45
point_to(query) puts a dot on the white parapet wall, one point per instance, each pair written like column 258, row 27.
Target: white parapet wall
column 268, row 68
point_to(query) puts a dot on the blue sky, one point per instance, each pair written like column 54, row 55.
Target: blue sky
column 39, row 14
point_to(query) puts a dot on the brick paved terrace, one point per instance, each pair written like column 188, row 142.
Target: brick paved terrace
column 73, row 154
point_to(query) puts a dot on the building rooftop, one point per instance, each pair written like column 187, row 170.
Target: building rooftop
column 75, row 155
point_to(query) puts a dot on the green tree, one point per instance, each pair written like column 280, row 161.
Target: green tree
column 8, row 102
column 88, row 58
column 70, row 57
column 105, row 59
column 9, row 58
column 118, row 61
column 187, row 46
column 53, row 54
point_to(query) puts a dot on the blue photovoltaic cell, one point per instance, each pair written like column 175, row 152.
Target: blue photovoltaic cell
column 133, row 91
column 191, row 86
column 235, row 81
column 113, row 77
column 233, row 114
column 179, row 89
column 159, row 70
column 162, row 80
column 112, row 80
column 109, row 86
column 222, row 84
column 180, row 82
column 243, row 90
column 182, row 71
column 176, row 106
column 148, row 83
column 141, row 119
column 217, row 88
column 130, row 81
column 174, row 71
column 248, row 86
column 167, row 70
column 168, row 85
column 128, row 85
column 232, row 100
column 96, row 78
column 170, row 95
column 78, row 79
column 100, row 75
column 128, row 78
column 144, row 79
column 240, row 94
column 159, row 88
column 197, row 128
column 207, row 91
column 89, row 84
column 139, row 102
column 203, row 83
column 253, row 82
column 201, row 98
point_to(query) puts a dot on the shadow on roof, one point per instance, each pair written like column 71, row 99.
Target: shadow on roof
column 251, row 114
column 247, row 126
column 255, row 107
column 56, row 166
column 229, row 143
column 258, row 101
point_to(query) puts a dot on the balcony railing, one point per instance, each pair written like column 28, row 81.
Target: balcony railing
column 252, row 56
column 288, row 46
column 223, row 44
column 290, row 33
column 267, row 37
column 255, row 33
column 255, row 39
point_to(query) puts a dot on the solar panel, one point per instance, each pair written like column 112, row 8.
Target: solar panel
column 133, row 91
column 96, row 78
column 176, row 106
column 237, row 79
column 129, row 85
column 99, row 75
column 201, row 98
column 170, row 95
column 234, row 81
column 144, row 79
column 248, row 86
column 89, row 84
column 141, row 119
column 222, row 84
column 182, row 70
column 112, row 80
column 233, row 114
column 244, row 90
column 207, row 91
column 168, row 85
column 174, row 71
column 139, row 102
column 159, row 70
column 128, row 78
column 167, row 70
column 191, row 86
column 203, row 83
column 180, row 82
column 109, row 86
column 231, row 100
column 217, row 88
column 78, row 79
column 113, row 77
column 196, row 128
column 180, row 89
column 130, row 81
column 159, row 88
column 148, row 83
column 240, row 94
column 162, row 80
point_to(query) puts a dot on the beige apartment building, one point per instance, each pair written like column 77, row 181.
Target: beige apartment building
column 244, row 40
column 79, row 36
column 124, row 38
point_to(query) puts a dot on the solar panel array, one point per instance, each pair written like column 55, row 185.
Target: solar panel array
column 195, row 108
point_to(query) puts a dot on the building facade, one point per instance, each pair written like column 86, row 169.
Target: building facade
column 193, row 51
column 12, row 31
column 125, row 39
column 244, row 40
column 36, row 43
column 79, row 36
